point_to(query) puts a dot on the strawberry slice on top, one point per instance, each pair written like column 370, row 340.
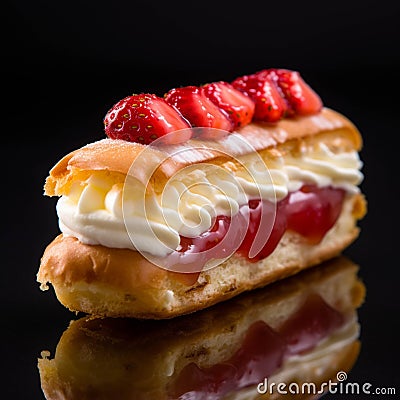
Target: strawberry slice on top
column 238, row 106
column 269, row 104
column 198, row 109
column 143, row 118
column 302, row 100
column 213, row 110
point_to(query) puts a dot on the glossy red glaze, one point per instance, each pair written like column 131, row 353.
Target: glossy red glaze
column 261, row 354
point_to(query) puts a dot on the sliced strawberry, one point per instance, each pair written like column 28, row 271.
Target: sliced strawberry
column 270, row 106
column 238, row 106
column 197, row 108
column 271, row 76
column 302, row 99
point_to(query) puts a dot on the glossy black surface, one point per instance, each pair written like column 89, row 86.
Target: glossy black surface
column 66, row 65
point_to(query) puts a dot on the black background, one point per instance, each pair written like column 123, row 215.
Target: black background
column 65, row 64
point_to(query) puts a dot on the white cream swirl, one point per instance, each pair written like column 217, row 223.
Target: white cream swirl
column 99, row 211
column 321, row 167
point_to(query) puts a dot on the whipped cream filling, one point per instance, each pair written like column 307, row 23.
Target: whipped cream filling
column 124, row 215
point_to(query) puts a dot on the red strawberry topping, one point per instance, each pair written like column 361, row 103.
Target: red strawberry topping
column 213, row 110
column 270, row 106
column 238, row 106
column 301, row 98
column 198, row 109
column 144, row 118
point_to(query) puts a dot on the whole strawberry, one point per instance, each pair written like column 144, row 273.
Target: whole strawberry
column 143, row 118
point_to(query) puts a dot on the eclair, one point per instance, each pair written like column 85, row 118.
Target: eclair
column 298, row 331
column 203, row 194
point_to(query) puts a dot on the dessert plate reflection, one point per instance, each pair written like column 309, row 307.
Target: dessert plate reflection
column 301, row 330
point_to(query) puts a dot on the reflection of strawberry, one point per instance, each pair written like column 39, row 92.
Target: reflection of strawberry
column 270, row 106
column 238, row 106
column 197, row 108
column 144, row 118
column 300, row 97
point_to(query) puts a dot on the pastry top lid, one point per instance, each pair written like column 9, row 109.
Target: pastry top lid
column 118, row 156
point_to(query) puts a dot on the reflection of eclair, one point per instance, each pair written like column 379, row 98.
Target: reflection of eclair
column 302, row 330
column 162, row 230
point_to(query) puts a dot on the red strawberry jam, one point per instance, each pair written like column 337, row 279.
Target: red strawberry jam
column 219, row 242
column 257, row 229
column 262, row 352
column 267, row 224
column 313, row 211
column 310, row 211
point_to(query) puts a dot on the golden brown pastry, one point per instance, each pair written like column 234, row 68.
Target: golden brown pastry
column 224, row 352
column 159, row 231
